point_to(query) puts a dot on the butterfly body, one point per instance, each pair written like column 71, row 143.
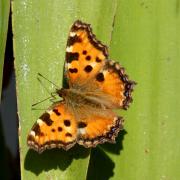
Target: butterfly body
column 96, row 86
column 76, row 98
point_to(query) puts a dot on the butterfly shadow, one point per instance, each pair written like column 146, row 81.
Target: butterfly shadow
column 101, row 166
column 53, row 159
column 118, row 146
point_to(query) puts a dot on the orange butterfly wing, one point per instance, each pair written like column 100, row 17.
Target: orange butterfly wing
column 113, row 81
column 85, row 55
column 55, row 128
column 86, row 62
column 97, row 129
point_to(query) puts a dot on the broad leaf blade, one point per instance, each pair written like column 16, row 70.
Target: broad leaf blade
column 40, row 31
column 4, row 18
column 146, row 41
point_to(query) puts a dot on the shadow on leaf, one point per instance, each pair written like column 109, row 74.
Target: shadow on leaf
column 118, row 146
column 53, row 159
column 101, row 166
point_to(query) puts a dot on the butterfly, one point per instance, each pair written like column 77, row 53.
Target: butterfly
column 96, row 86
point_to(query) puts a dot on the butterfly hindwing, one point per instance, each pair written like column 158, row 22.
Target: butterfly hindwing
column 97, row 129
column 55, row 128
column 113, row 81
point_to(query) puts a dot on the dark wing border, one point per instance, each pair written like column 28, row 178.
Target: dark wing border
column 129, row 84
column 92, row 37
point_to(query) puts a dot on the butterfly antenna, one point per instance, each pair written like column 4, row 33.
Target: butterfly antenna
column 39, row 74
column 52, row 94
column 47, row 90
column 41, row 101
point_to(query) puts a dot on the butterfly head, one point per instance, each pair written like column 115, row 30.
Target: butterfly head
column 61, row 92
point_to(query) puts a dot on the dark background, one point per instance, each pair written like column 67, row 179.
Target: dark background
column 9, row 156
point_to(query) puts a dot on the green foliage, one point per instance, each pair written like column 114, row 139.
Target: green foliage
column 143, row 36
column 4, row 17
column 147, row 42
column 40, row 33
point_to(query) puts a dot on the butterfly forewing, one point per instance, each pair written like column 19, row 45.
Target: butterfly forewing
column 85, row 55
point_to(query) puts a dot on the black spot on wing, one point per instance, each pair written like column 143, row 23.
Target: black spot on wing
column 71, row 56
column 36, row 129
column 30, row 138
column 73, row 40
column 46, row 118
column 88, row 58
column 56, row 112
column 98, row 59
column 88, row 68
column 53, row 130
column 82, row 125
column 73, row 70
column 68, row 135
column 41, row 134
column 67, row 122
column 60, row 129
column 84, row 52
column 100, row 77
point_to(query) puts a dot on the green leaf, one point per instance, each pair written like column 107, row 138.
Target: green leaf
column 146, row 41
column 40, row 31
column 4, row 18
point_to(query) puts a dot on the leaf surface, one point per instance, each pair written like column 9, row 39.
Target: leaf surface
column 40, row 31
